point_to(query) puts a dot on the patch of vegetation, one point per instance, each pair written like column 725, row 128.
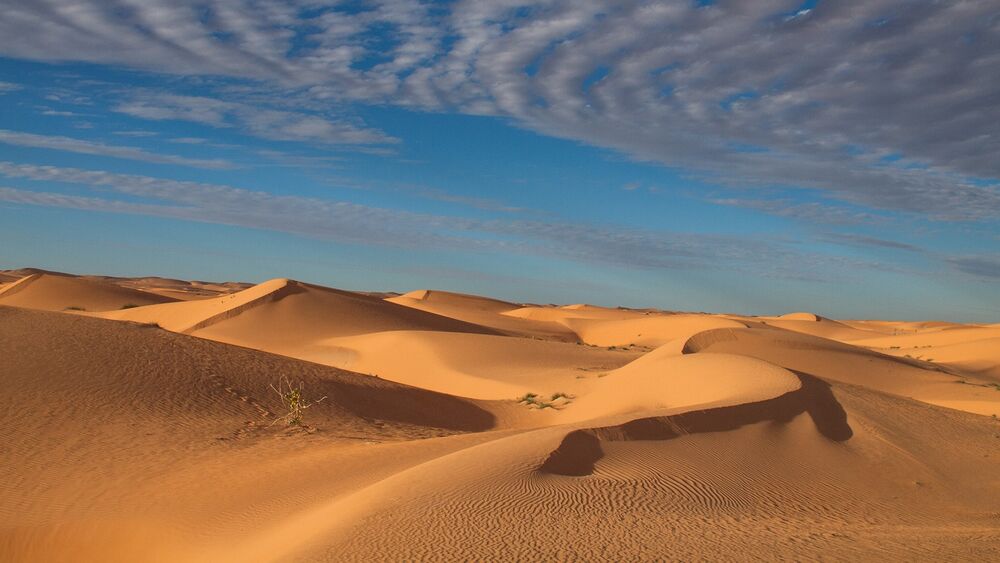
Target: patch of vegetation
column 129, row 306
column 294, row 401
column 561, row 395
column 150, row 325
column 533, row 400
column 74, row 308
column 528, row 398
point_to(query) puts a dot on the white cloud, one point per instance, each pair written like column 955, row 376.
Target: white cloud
column 99, row 149
column 259, row 121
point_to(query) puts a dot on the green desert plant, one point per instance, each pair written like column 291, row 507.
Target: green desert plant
column 74, row 308
column 129, row 306
column 561, row 395
column 293, row 400
column 528, row 398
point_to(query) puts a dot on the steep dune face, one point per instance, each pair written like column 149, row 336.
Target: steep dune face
column 281, row 313
column 657, row 382
column 484, row 311
column 723, row 411
column 53, row 292
column 835, row 361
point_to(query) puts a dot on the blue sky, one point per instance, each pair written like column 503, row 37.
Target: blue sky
column 755, row 157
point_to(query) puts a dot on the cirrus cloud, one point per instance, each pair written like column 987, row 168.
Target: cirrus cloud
column 889, row 104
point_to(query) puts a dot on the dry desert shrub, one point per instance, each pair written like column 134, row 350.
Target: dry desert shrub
column 293, row 400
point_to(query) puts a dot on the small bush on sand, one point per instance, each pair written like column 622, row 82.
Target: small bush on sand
column 293, row 400
column 528, row 398
column 74, row 308
column 129, row 306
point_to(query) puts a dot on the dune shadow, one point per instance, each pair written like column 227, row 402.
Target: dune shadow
column 410, row 405
column 581, row 449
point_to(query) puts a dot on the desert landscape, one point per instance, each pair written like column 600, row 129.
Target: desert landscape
column 499, row 280
column 141, row 422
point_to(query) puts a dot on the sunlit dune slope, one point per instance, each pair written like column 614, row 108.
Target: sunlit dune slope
column 54, row 292
column 484, row 311
column 659, row 381
column 469, row 364
column 284, row 313
column 645, row 330
column 835, row 361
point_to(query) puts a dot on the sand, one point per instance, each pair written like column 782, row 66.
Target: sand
column 458, row 427
column 54, row 292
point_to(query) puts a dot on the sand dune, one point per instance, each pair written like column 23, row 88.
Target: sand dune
column 665, row 381
column 651, row 331
column 125, row 405
column 53, row 292
column 815, row 325
column 561, row 314
column 152, row 433
column 484, row 311
column 282, row 311
column 471, row 365
column 174, row 289
column 834, row 361
column 455, row 301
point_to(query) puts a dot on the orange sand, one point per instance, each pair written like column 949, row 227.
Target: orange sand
column 150, row 433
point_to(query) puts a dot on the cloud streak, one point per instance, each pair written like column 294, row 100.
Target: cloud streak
column 360, row 224
column 258, row 121
column 100, row 149
column 983, row 266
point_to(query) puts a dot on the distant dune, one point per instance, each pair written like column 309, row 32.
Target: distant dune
column 53, row 292
column 458, row 427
